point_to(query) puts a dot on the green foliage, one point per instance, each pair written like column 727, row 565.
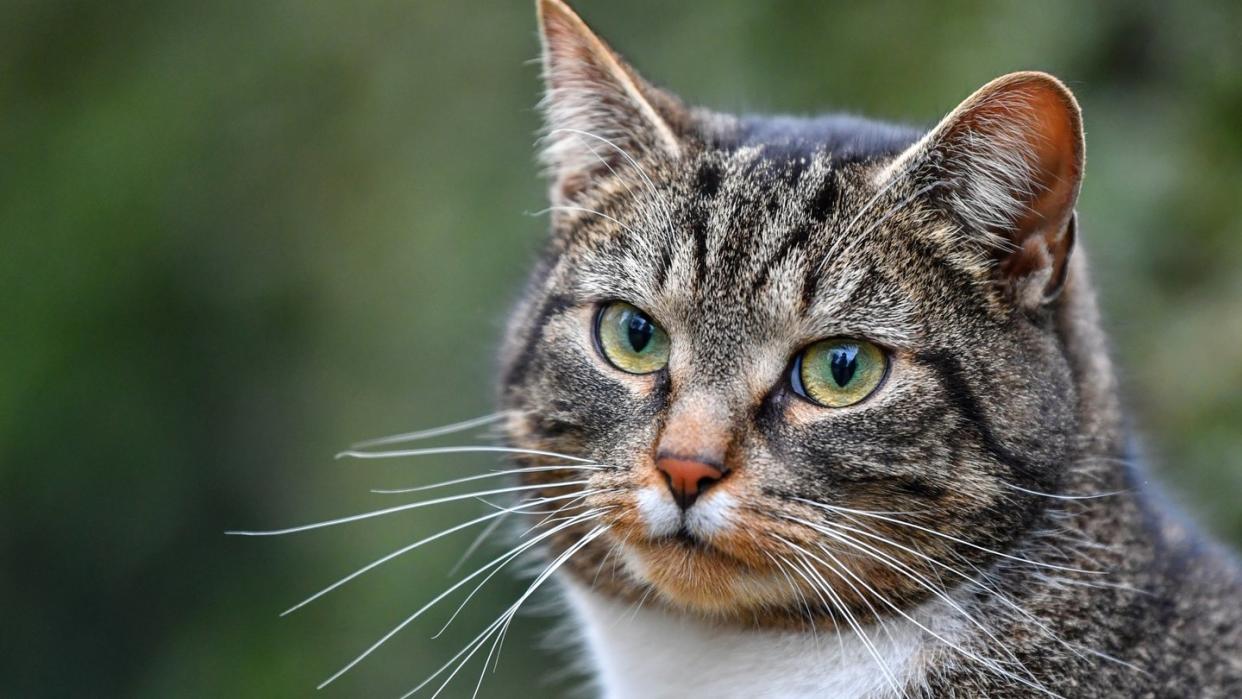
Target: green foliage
column 235, row 237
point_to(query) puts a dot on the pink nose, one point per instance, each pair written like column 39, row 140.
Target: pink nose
column 687, row 478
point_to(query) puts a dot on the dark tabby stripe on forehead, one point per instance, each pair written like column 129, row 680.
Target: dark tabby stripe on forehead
column 822, row 203
column 707, row 180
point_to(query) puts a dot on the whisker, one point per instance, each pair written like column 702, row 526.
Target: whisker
column 432, row 432
column 933, row 532
column 406, row 549
column 575, row 519
column 655, row 192
column 900, row 567
column 988, row 663
column 506, row 616
column 1092, row 496
column 402, row 508
column 638, row 606
column 512, row 613
column 595, row 491
column 836, row 625
column 603, row 561
column 478, row 541
column 879, row 620
column 397, row 453
column 584, row 210
column 841, row 607
column 832, row 614
column 893, row 181
column 895, row 209
column 970, row 580
column 874, row 553
column 482, row 476
column 572, row 504
column 806, row 607
column 501, row 560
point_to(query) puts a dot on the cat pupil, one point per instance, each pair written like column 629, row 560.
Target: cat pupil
column 843, row 364
column 639, row 332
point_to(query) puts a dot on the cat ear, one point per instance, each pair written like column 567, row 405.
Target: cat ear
column 600, row 113
column 1007, row 164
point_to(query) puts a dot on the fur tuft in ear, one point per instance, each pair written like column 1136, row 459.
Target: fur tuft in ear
column 600, row 114
column 1008, row 164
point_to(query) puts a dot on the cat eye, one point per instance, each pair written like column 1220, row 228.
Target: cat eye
column 838, row 373
column 630, row 340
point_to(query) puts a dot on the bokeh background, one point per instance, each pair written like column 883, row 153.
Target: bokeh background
column 237, row 236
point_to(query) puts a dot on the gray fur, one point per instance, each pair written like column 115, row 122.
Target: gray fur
column 999, row 424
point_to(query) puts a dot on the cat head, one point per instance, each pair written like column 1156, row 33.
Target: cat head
column 794, row 351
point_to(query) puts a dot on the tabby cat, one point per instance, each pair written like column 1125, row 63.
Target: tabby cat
column 850, row 417
column 822, row 408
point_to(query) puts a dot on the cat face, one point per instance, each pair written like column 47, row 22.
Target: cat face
column 812, row 363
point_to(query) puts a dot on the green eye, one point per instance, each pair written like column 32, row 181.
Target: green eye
column 630, row 339
column 838, row 373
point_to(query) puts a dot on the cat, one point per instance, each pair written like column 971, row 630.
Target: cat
column 822, row 407
column 851, row 423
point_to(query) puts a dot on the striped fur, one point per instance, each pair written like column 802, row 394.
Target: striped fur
column 990, row 476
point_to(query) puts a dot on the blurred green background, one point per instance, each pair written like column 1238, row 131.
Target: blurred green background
column 237, row 236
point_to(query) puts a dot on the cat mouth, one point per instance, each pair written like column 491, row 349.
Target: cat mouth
column 685, row 538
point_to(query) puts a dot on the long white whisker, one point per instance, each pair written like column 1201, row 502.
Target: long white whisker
column 587, row 539
column 482, row 476
column 606, row 558
column 625, row 154
column 569, row 505
column 421, row 542
column 894, row 564
column 432, row 432
column 866, row 208
column 836, row 625
column 1092, row 496
column 841, row 607
column 895, row 209
column 879, row 620
column 584, row 210
column 629, row 158
column 407, row 506
column 970, row 580
column 933, row 532
column 470, row 648
column 575, row 519
column 398, row 453
column 806, row 607
column 501, row 560
column 986, row 662
column 482, row 536
column 830, row 530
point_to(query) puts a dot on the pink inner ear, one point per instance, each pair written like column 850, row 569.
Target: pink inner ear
column 1055, row 147
column 1017, row 143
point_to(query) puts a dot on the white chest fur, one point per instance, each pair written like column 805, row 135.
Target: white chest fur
column 646, row 654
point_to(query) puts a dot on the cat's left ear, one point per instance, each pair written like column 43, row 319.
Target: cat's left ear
column 601, row 115
column 1007, row 164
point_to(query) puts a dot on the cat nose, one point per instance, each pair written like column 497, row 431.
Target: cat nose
column 687, row 478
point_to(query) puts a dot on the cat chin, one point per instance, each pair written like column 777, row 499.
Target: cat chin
column 702, row 579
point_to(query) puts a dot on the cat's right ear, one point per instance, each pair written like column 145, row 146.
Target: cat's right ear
column 601, row 116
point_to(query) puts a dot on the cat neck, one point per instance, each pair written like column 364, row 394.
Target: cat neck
column 1102, row 431
column 641, row 652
